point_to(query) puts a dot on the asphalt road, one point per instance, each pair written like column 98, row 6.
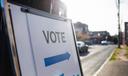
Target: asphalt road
column 96, row 58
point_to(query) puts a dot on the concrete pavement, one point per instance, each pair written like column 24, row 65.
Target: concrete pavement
column 115, row 68
column 92, row 62
column 118, row 67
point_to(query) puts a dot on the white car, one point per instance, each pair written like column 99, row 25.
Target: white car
column 104, row 42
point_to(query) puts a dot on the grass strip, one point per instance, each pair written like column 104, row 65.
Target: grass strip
column 115, row 54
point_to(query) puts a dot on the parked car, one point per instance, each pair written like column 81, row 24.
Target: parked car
column 104, row 42
column 88, row 42
column 82, row 47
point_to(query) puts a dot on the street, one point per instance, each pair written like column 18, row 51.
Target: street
column 95, row 59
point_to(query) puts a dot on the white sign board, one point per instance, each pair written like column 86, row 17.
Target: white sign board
column 45, row 46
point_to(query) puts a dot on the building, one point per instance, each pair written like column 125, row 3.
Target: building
column 126, row 33
column 97, row 36
column 82, row 32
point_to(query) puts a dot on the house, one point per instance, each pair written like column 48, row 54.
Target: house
column 82, row 32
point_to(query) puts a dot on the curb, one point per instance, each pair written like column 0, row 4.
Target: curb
column 97, row 72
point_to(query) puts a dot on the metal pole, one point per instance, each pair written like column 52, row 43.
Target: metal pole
column 119, row 24
column 51, row 7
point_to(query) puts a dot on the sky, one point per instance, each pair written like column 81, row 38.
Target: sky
column 99, row 15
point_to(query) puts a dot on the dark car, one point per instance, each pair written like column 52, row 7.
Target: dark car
column 82, row 47
column 88, row 42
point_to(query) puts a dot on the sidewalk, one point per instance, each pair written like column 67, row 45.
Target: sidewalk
column 115, row 68
column 118, row 67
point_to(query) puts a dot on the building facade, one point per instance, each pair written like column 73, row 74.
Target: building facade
column 97, row 36
column 82, row 32
column 126, row 33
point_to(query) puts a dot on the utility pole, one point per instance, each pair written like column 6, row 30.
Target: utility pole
column 119, row 30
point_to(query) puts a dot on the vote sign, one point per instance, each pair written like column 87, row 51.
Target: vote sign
column 53, row 46
column 50, row 45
